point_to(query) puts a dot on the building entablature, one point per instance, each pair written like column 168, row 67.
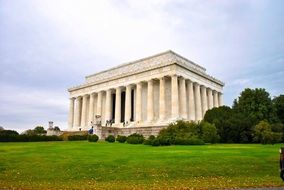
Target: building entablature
column 147, row 64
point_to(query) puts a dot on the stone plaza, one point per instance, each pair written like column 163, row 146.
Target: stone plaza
column 144, row 96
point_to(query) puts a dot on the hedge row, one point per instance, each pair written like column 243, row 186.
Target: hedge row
column 166, row 141
column 28, row 138
column 77, row 137
column 38, row 138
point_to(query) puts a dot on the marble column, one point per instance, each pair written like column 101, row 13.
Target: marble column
column 138, row 113
column 182, row 98
column 220, row 99
column 203, row 100
column 128, row 103
column 215, row 98
column 77, row 119
column 99, row 103
column 84, row 111
column 191, row 102
column 108, row 105
column 174, row 94
column 210, row 99
column 198, row 109
column 150, row 104
column 71, row 113
column 91, row 109
column 162, row 103
column 117, row 105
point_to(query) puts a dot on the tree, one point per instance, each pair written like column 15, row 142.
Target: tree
column 56, row 128
column 279, row 107
column 8, row 132
column 256, row 104
column 38, row 130
column 263, row 133
column 209, row 133
column 220, row 117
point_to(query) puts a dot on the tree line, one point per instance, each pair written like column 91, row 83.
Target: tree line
column 254, row 117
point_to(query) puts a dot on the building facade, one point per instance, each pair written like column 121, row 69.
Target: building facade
column 149, row 92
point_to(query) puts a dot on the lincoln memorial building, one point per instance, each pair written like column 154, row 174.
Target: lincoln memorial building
column 149, row 92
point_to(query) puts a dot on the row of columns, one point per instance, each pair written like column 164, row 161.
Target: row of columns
column 199, row 99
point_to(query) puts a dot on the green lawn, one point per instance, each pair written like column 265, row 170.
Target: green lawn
column 84, row 165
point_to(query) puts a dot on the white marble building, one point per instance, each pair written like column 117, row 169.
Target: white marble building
column 152, row 91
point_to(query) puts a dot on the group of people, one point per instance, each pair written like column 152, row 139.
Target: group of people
column 109, row 122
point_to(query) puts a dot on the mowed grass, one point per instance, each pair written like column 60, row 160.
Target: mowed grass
column 84, row 165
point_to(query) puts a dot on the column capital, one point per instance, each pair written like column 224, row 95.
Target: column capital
column 188, row 81
column 72, row 98
column 130, row 85
column 196, row 84
column 85, row 95
column 162, row 78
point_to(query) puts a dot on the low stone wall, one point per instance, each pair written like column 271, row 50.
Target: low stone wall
column 103, row 132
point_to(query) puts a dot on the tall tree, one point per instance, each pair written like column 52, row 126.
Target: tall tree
column 279, row 106
column 256, row 104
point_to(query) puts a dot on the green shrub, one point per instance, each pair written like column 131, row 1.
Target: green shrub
column 93, row 138
column 155, row 142
column 186, row 133
column 121, row 139
column 149, row 141
column 77, row 137
column 110, row 139
column 195, row 141
column 209, row 133
column 135, row 139
column 165, row 140
column 28, row 138
column 8, row 132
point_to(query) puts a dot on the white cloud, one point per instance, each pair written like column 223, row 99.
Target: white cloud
column 25, row 107
column 53, row 44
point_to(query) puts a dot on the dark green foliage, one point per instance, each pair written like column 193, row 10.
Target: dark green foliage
column 135, row 139
column 77, row 137
column 165, row 140
column 39, row 130
column 56, row 128
column 236, row 125
column 279, row 107
column 13, row 136
column 263, row 133
column 220, row 117
column 121, row 139
column 155, row 142
column 93, row 138
column 8, row 132
column 187, row 133
column 256, row 104
column 150, row 140
column 110, row 139
column 28, row 138
column 209, row 133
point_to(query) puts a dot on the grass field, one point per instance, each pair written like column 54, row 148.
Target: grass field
column 84, row 165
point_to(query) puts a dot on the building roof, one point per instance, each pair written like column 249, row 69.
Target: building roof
column 162, row 59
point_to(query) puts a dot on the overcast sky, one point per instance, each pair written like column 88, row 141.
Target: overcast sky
column 47, row 46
